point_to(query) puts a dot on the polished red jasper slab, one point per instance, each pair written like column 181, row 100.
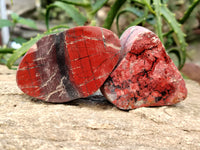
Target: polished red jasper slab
column 146, row 76
column 69, row 65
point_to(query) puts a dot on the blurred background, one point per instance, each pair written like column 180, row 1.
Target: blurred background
column 22, row 20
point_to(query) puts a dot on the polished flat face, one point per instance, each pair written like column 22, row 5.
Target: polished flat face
column 69, row 65
column 146, row 76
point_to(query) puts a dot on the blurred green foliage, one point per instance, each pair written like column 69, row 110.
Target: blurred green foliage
column 7, row 50
column 158, row 15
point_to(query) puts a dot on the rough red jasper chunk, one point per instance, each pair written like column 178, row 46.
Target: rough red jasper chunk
column 146, row 76
column 69, row 65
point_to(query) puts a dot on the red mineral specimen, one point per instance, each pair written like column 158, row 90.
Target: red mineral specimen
column 146, row 76
column 69, row 65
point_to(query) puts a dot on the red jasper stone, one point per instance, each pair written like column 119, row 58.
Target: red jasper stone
column 69, row 65
column 146, row 76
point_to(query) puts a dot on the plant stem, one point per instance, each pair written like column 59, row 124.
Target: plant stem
column 189, row 11
column 147, row 3
column 6, row 50
column 186, row 15
column 112, row 13
column 168, row 33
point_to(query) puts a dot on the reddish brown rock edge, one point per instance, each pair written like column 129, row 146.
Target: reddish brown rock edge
column 69, row 65
column 146, row 76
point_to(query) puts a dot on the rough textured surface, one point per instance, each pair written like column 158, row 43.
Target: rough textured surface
column 93, row 123
column 70, row 65
column 146, row 76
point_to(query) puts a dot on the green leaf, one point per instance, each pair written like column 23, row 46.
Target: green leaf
column 15, row 17
column 72, row 11
column 138, row 1
column 189, row 11
column 146, row 11
column 59, row 27
column 19, row 40
column 151, row 19
column 176, row 27
column 28, row 22
column 147, row 3
column 137, row 21
column 112, row 13
column 139, row 13
column 97, row 4
column 5, row 23
column 175, row 55
column 83, row 3
column 186, row 15
column 25, row 47
column 132, row 10
column 158, row 26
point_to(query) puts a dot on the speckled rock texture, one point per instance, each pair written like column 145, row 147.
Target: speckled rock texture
column 146, row 76
column 93, row 123
column 69, row 65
